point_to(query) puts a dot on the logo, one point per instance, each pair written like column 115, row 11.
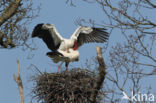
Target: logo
column 138, row 97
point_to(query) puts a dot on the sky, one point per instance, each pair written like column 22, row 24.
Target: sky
column 63, row 16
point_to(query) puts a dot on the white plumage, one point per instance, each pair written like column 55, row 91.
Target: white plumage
column 65, row 50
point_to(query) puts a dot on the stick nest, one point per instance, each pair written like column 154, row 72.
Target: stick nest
column 74, row 86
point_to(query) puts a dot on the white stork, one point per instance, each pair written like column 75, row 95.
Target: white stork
column 65, row 50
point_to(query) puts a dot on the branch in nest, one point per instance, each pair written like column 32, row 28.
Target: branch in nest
column 101, row 76
column 19, row 83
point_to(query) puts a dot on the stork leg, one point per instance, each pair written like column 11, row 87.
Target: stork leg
column 66, row 64
column 59, row 67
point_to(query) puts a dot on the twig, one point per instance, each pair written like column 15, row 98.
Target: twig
column 19, row 83
column 9, row 11
column 101, row 77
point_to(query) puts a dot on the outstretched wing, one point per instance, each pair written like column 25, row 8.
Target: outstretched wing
column 88, row 34
column 49, row 35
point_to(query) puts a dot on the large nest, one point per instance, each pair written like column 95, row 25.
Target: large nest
column 74, row 86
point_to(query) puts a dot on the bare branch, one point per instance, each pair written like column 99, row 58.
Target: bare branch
column 9, row 11
column 150, row 3
column 14, row 17
column 18, row 80
column 101, row 76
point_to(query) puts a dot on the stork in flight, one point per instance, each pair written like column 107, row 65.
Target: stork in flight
column 65, row 50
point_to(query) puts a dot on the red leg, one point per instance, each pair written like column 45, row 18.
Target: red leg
column 59, row 67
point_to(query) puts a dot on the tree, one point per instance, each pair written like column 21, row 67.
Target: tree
column 74, row 86
column 14, row 16
column 133, row 60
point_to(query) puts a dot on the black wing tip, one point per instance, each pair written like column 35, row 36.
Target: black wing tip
column 54, row 53
column 102, row 30
column 94, row 28
column 37, row 29
column 104, row 34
